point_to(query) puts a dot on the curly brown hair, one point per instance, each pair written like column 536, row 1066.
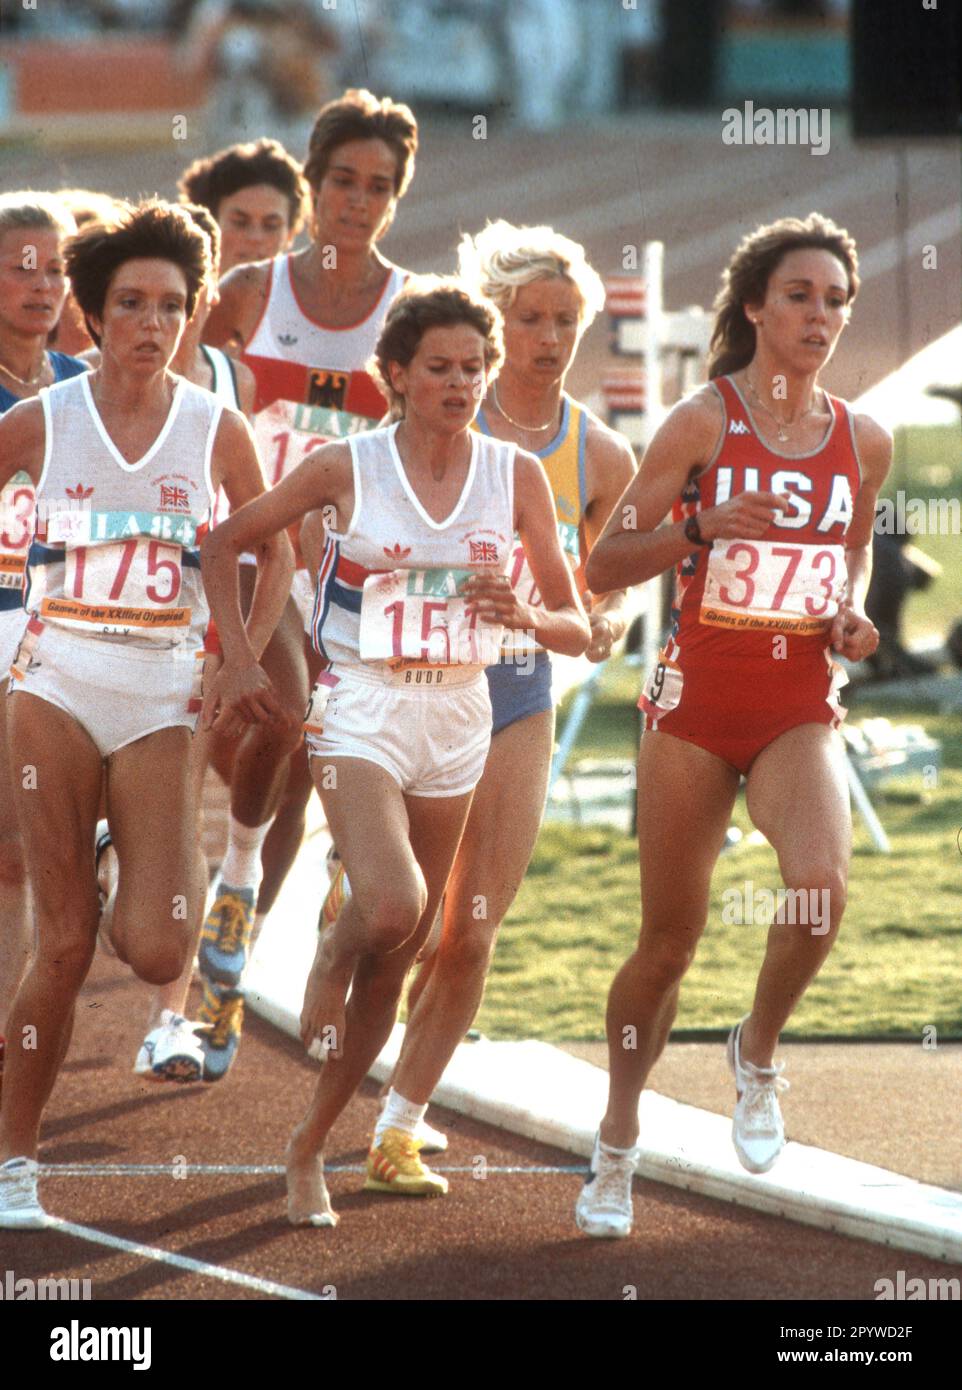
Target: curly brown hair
column 205, row 220
column 745, row 281
column 210, row 180
column 433, row 301
column 150, row 230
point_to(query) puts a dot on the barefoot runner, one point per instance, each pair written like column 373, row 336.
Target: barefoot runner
column 412, row 596
column 309, row 322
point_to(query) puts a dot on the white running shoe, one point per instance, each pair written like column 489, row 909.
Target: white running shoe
column 172, row 1051
column 603, row 1207
column 20, row 1208
column 428, row 1139
column 757, row 1129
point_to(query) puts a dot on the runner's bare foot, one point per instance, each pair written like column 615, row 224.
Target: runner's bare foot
column 308, row 1202
column 322, row 1017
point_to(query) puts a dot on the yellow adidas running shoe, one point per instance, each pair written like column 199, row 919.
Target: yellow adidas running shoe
column 394, row 1165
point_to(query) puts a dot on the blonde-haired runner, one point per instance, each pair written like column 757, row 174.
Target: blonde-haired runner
column 548, row 295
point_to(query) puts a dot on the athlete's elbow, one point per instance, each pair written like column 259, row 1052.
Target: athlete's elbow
column 600, row 573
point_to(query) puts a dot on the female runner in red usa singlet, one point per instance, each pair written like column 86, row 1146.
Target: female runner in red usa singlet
column 771, row 484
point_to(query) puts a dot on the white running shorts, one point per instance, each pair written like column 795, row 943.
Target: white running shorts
column 432, row 741
column 118, row 694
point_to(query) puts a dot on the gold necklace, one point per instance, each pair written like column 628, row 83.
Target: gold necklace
column 29, row 381
column 783, row 425
column 532, row 429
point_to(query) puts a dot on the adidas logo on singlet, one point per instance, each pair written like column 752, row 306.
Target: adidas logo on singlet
column 738, row 427
column 287, row 339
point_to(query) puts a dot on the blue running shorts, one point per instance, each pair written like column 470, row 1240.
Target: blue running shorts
column 518, row 690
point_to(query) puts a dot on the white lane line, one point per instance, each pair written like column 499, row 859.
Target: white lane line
column 156, row 1170
column 170, row 1257
column 168, row 1170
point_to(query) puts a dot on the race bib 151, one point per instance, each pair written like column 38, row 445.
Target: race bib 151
column 420, row 616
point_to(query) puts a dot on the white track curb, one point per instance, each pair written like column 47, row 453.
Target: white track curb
column 534, row 1089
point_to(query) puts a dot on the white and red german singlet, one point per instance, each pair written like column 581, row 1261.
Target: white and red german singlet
column 312, row 381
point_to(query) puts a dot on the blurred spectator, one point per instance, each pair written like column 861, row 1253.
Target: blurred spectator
column 266, row 61
column 547, row 58
column 86, row 205
column 897, row 568
column 544, row 61
column 466, row 44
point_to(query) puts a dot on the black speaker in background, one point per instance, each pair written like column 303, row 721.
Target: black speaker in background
column 905, row 67
column 688, row 52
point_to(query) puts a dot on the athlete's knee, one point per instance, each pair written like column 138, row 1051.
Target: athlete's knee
column 815, row 897
column 275, row 741
column 157, row 953
column 62, row 958
column 391, row 916
column 663, row 960
column 464, row 953
column 158, row 962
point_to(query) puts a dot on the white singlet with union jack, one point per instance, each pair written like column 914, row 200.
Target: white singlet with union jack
column 387, row 594
column 115, row 552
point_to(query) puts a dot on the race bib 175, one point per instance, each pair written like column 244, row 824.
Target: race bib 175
column 129, row 587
